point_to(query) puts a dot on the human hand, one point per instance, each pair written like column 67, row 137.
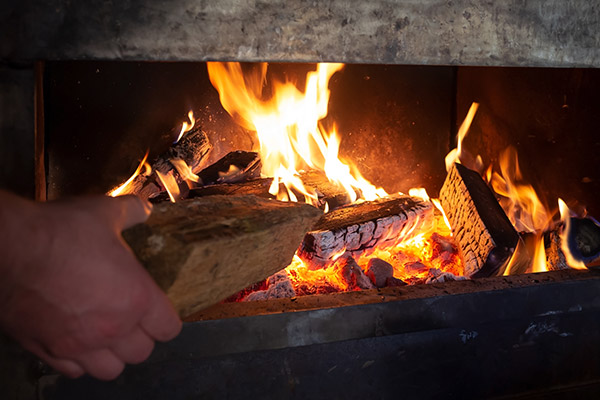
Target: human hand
column 72, row 292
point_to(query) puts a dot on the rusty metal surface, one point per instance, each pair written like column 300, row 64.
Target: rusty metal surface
column 460, row 32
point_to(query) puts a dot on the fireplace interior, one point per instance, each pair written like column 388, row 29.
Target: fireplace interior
column 99, row 94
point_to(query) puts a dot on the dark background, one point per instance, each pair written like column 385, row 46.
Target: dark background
column 397, row 122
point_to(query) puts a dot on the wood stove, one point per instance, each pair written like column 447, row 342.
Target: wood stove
column 531, row 335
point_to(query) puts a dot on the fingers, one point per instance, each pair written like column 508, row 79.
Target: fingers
column 161, row 322
column 68, row 368
column 102, row 364
column 134, row 348
column 132, row 210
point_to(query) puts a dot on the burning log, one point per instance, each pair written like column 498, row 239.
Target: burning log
column 583, row 243
column 192, row 149
column 328, row 192
column 257, row 187
column 236, row 166
column 200, row 251
column 484, row 234
column 363, row 226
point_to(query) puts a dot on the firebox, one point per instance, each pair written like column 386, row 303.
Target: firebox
column 94, row 87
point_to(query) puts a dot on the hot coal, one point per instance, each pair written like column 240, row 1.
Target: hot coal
column 352, row 275
column 379, row 272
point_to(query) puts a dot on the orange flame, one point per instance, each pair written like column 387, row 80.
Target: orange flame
column 565, row 217
column 185, row 171
column 170, row 184
column 123, row 189
column 288, row 127
column 186, row 127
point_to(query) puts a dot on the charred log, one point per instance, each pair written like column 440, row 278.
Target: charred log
column 484, row 234
column 583, row 242
column 256, row 187
column 363, row 226
column 328, row 192
column 192, row 148
column 201, row 251
column 237, row 166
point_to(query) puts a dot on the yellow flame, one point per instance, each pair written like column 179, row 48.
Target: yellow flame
column 421, row 193
column 123, row 188
column 185, row 171
column 186, row 127
column 170, row 184
column 519, row 199
column 291, row 137
column 454, row 155
column 565, row 217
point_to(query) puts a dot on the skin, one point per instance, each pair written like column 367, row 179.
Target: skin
column 72, row 292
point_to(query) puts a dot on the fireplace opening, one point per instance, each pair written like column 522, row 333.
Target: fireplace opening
column 396, row 125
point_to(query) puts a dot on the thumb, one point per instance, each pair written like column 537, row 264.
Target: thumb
column 132, row 210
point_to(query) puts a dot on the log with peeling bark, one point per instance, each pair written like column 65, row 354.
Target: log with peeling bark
column 485, row 236
column 360, row 227
column 193, row 148
column 201, row 251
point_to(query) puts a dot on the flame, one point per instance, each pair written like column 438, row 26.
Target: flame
column 186, row 127
column 185, row 171
column 170, row 184
column 454, row 156
column 120, row 190
column 565, row 217
column 288, row 127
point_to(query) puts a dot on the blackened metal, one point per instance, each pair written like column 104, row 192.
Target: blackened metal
column 17, row 116
column 440, row 32
column 471, row 345
column 550, row 116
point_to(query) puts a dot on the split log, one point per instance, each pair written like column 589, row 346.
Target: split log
column 192, row 148
column 555, row 258
column 201, row 251
column 236, row 166
column 485, row 236
column 360, row 227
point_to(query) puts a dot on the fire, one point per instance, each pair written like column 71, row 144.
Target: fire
column 123, row 188
column 186, row 127
column 288, row 126
column 170, row 184
column 565, row 217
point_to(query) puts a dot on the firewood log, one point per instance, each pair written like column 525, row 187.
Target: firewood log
column 583, row 243
column 192, row 148
column 484, row 234
column 363, row 226
column 203, row 250
column 247, row 167
column 257, row 187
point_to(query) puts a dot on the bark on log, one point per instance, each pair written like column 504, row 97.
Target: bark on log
column 555, row 258
column 360, row 227
column 484, row 234
column 192, row 148
column 583, row 242
column 201, row 251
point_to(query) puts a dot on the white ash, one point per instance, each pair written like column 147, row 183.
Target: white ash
column 279, row 287
column 437, row 276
